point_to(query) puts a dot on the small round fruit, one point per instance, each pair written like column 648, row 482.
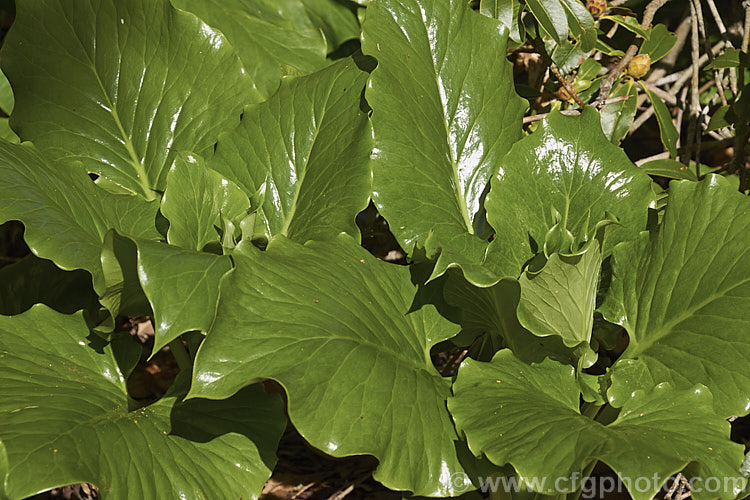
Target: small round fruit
column 639, row 66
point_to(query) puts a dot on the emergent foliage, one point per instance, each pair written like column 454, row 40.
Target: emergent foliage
column 203, row 163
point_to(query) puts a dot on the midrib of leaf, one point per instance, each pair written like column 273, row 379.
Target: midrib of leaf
column 298, row 186
column 140, row 169
column 666, row 329
column 569, row 187
column 397, row 324
column 127, row 140
column 456, row 179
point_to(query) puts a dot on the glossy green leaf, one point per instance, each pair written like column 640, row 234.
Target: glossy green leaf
column 195, row 200
column 683, row 295
column 667, row 130
column 506, row 406
column 489, row 322
column 7, row 133
column 32, row 280
column 660, row 41
column 560, row 298
column 671, row 169
column 565, row 167
column 120, row 86
column 444, row 112
column 336, row 19
column 272, row 37
column 739, row 112
column 182, row 287
column 306, row 150
column 617, row 117
column 66, row 419
column 6, row 95
column 589, row 70
column 581, row 24
column 3, row 470
column 607, row 49
column 488, row 317
column 719, row 119
column 551, row 15
column 629, row 23
column 121, row 293
column 332, row 324
column 65, row 214
column 731, row 58
column 567, row 55
column 508, row 12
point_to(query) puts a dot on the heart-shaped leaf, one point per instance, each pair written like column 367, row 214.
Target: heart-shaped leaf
column 333, row 325
column 560, row 298
column 272, row 37
column 305, row 152
column 182, row 287
column 65, row 214
column 683, row 295
column 197, row 200
column 336, row 19
column 66, row 419
column 506, row 406
column 120, row 86
column 567, row 168
column 444, row 112
column 6, row 95
column 489, row 322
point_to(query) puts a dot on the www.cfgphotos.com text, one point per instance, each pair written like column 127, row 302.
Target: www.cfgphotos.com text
column 595, row 487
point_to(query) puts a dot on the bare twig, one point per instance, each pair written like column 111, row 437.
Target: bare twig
column 341, row 494
column 568, row 87
column 720, row 84
column 665, row 80
column 662, row 94
column 740, row 139
column 612, row 31
column 614, row 73
column 534, row 118
column 682, row 33
column 723, row 31
column 686, row 74
column 682, row 77
column 302, row 490
column 678, row 118
column 746, row 33
column 641, row 119
column 718, row 74
column 680, row 488
column 709, row 146
column 694, row 132
column 661, row 156
column 541, row 116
